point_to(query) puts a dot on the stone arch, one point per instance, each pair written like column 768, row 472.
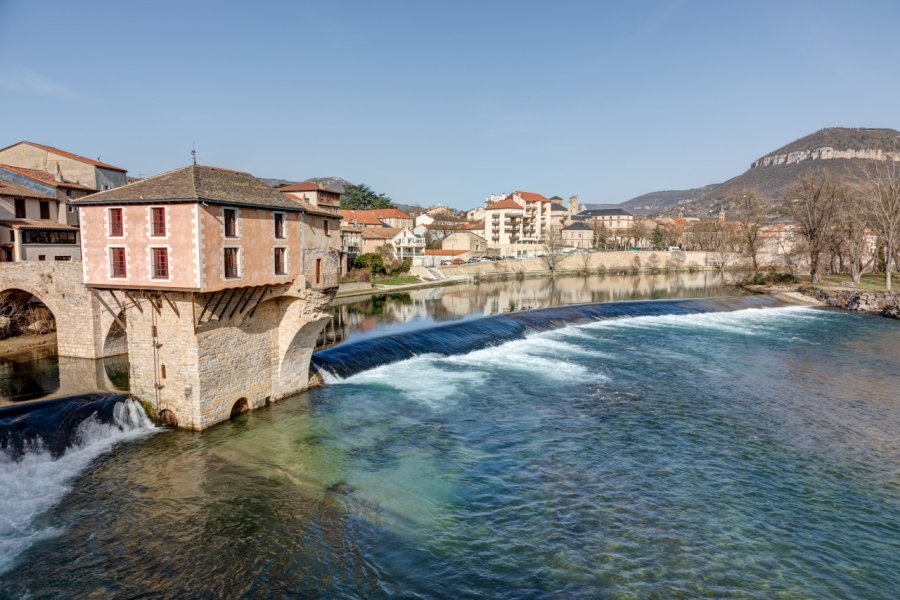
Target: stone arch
column 18, row 306
column 293, row 366
column 167, row 417
column 240, row 407
column 115, row 342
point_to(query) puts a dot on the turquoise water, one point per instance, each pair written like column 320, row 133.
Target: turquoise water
column 749, row 454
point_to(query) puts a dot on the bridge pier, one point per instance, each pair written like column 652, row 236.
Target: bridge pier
column 197, row 356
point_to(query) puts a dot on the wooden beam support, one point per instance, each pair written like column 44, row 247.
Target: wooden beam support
column 114, row 314
column 116, row 298
column 209, row 298
column 227, row 302
column 258, row 300
column 172, row 304
column 152, row 303
column 238, row 303
column 216, row 307
column 134, row 301
column 247, row 301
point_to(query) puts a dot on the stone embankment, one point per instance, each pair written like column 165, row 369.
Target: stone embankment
column 884, row 303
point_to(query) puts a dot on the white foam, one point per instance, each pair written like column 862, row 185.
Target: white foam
column 748, row 321
column 31, row 486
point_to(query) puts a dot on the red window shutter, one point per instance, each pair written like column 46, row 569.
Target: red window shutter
column 117, row 262
column 158, row 218
column 160, row 263
column 115, row 222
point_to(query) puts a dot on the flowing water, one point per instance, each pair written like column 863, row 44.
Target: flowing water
column 723, row 448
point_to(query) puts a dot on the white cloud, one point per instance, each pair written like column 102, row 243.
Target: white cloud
column 29, row 81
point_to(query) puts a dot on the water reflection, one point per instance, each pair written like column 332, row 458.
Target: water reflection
column 355, row 318
column 38, row 374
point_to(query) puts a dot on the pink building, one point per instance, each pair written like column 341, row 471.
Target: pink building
column 203, row 229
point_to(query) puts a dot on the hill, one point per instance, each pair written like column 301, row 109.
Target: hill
column 334, row 183
column 841, row 151
column 659, row 202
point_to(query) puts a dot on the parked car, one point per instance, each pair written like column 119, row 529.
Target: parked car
column 446, row 262
column 458, row 261
column 486, row 259
column 473, row 260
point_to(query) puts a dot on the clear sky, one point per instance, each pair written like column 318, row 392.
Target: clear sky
column 446, row 102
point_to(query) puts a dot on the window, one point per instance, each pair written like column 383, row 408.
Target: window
column 231, row 263
column 68, row 193
column 160, row 263
column 35, row 236
column 158, row 222
column 230, row 223
column 115, row 223
column 42, row 257
column 117, row 262
column 20, row 208
column 62, row 258
column 45, row 210
column 318, row 270
column 326, row 225
column 279, row 262
column 12, row 235
column 279, row 225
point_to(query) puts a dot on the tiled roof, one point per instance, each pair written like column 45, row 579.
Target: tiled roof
column 441, row 252
column 531, row 196
column 77, row 157
column 507, row 202
column 307, row 186
column 8, row 188
column 389, row 213
column 197, row 183
column 45, row 177
column 604, row 212
column 36, row 224
column 380, row 233
column 315, row 210
column 361, row 217
column 558, row 208
column 578, row 226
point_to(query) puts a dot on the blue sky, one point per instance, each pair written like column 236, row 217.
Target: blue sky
column 446, row 102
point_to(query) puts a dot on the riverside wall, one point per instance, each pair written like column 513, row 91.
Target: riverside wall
column 884, row 303
column 636, row 260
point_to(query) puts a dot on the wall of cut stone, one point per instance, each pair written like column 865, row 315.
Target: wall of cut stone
column 886, row 303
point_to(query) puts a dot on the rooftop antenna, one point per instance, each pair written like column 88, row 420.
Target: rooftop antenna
column 194, row 153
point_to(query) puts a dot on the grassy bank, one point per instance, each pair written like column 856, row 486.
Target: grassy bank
column 396, row 280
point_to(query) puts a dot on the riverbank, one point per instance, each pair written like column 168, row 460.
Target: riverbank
column 21, row 343
column 869, row 300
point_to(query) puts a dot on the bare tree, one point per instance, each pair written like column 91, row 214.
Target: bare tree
column 601, row 235
column 851, row 237
column 725, row 245
column 586, row 262
column 881, row 207
column 752, row 210
column 814, row 203
column 553, row 248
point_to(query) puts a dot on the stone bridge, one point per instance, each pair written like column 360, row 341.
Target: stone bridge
column 84, row 328
column 195, row 358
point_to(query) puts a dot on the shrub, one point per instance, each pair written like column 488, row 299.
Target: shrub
column 358, row 275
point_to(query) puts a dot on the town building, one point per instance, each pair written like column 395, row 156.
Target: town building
column 403, row 243
column 30, row 227
column 616, row 220
column 578, row 234
column 470, row 241
column 204, row 229
column 374, row 218
column 476, row 214
column 518, row 224
column 64, row 166
column 315, row 194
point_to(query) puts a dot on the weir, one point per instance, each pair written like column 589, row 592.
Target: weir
column 461, row 337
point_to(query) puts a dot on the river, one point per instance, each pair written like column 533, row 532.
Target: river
column 749, row 452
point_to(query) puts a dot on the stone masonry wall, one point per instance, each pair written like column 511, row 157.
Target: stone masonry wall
column 638, row 260
column 885, row 303
column 81, row 321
